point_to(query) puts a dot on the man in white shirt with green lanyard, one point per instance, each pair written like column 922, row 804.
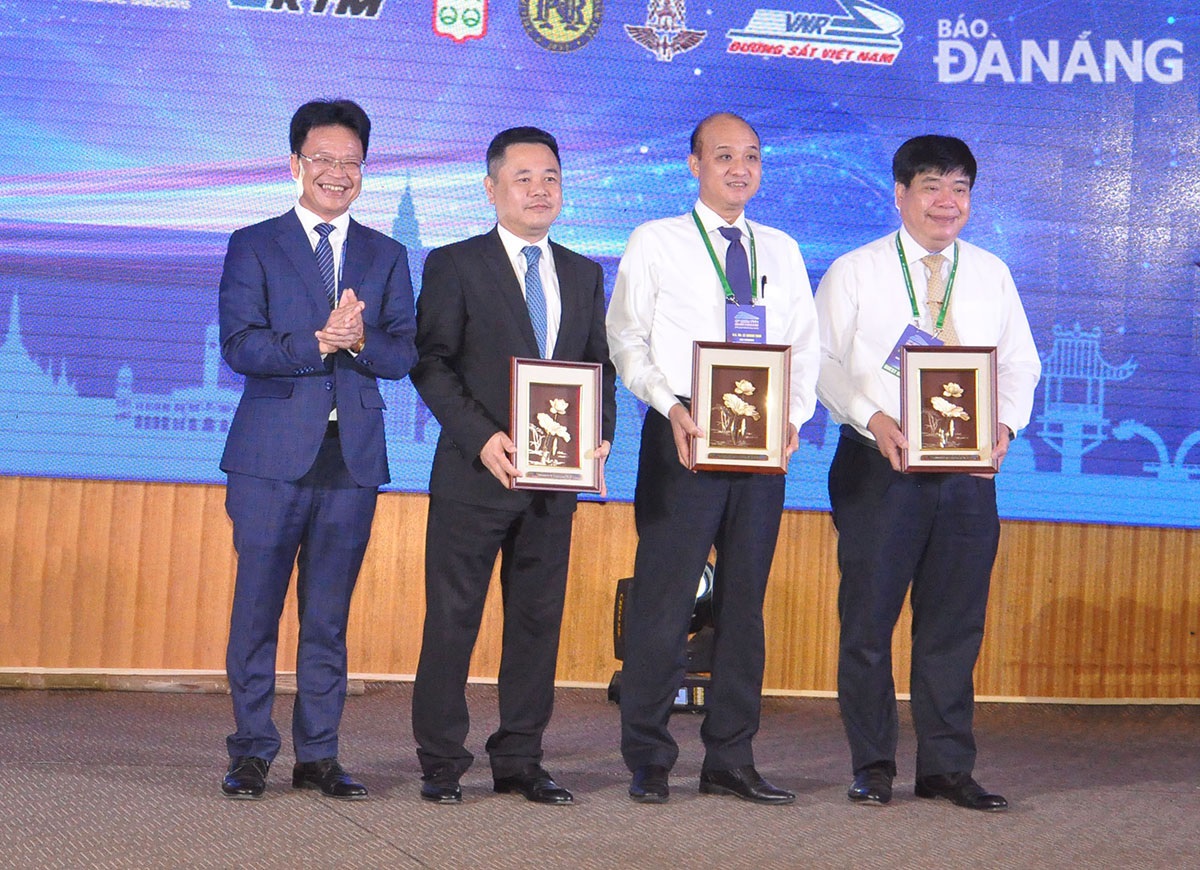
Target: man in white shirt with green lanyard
column 704, row 276
column 937, row 532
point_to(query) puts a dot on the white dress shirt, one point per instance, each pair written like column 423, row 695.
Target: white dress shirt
column 337, row 238
column 668, row 295
column 512, row 246
column 863, row 307
column 337, row 241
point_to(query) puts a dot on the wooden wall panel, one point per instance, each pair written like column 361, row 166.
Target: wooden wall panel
column 118, row 576
column 389, row 602
column 1095, row 611
column 800, row 612
column 119, row 568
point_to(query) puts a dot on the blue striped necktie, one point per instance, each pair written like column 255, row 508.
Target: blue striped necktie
column 325, row 261
column 535, row 297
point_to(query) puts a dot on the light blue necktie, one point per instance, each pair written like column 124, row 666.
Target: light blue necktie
column 325, row 261
column 535, row 297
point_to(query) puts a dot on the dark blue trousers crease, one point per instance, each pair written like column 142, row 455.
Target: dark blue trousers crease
column 939, row 534
column 321, row 524
column 681, row 516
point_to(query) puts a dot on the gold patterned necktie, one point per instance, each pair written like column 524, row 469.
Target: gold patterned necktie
column 936, row 294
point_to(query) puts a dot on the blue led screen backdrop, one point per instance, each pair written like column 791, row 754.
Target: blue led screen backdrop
column 137, row 134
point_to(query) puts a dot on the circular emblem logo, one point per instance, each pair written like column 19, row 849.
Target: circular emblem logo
column 561, row 25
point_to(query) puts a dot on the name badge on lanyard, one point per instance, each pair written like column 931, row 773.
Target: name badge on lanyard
column 744, row 324
column 911, row 337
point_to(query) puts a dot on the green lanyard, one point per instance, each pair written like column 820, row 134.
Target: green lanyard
column 908, row 284
column 717, row 264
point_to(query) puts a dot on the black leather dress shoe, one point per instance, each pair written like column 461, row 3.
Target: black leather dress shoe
column 961, row 789
column 328, row 776
column 441, row 787
column 743, row 782
column 246, row 778
column 536, row 784
column 872, row 786
column 649, row 784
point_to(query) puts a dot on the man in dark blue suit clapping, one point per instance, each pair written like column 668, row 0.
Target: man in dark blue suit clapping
column 314, row 307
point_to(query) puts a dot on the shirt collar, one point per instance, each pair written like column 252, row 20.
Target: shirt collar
column 713, row 221
column 913, row 251
column 514, row 243
column 309, row 221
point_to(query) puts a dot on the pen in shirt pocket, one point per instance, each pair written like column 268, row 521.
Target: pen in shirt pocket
column 762, row 293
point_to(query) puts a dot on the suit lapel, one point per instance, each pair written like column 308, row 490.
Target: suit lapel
column 359, row 252
column 568, row 294
column 294, row 242
column 497, row 264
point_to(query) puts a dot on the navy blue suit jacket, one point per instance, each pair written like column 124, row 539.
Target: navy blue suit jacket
column 272, row 300
column 472, row 321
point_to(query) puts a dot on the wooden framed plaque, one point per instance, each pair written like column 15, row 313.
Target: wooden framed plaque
column 948, row 408
column 740, row 398
column 555, row 423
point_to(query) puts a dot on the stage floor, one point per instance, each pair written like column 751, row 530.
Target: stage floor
column 131, row 780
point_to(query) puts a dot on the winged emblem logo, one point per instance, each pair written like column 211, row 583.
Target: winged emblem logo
column 665, row 32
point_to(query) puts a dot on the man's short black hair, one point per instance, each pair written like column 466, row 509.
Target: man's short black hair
column 518, row 136
column 323, row 113
column 939, row 154
column 698, row 130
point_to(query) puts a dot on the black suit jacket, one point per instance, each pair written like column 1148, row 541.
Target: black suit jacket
column 471, row 321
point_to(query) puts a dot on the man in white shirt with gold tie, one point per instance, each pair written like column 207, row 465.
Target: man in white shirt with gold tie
column 937, row 532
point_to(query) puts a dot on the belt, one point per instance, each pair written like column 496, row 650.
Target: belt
column 849, row 432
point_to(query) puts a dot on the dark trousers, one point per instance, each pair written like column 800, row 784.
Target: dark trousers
column 680, row 516
column 461, row 543
column 939, row 533
column 321, row 523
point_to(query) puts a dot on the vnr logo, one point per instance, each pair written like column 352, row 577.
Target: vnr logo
column 807, row 23
column 349, row 8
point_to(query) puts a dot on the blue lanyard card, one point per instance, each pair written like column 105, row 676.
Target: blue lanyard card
column 745, row 324
column 911, row 337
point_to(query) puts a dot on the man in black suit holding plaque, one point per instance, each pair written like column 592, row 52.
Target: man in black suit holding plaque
column 508, row 293
column 700, row 277
column 937, row 532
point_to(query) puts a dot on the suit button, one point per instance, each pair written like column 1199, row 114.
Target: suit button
column 328, row 385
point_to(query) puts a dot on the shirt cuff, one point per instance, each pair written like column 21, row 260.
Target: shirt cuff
column 663, row 400
column 862, row 410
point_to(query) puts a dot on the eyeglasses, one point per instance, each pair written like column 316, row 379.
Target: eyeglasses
column 323, row 163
